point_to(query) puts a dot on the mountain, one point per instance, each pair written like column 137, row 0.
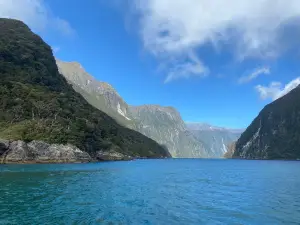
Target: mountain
column 275, row 132
column 165, row 125
column 162, row 124
column 37, row 103
column 215, row 139
column 99, row 94
column 207, row 126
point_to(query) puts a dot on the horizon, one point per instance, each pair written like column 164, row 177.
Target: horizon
column 211, row 71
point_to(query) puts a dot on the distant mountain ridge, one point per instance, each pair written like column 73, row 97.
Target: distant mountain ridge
column 165, row 125
column 216, row 139
column 207, row 126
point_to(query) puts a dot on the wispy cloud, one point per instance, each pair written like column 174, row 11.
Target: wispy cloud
column 191, row 67
column 254, row 74
column 276, row 90
column 55, row 49
column 36, row 14
column 63, row 26
column 173, row 30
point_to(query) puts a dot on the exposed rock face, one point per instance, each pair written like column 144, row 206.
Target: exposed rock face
column 99, row 94
column 230, row 151
column 216, row 139
column 111, row 156
column 18, row 152
column 275, row 132
column 165, row 125
column 40, row 152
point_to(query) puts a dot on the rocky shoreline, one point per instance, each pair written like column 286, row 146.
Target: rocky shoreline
column 20, row 152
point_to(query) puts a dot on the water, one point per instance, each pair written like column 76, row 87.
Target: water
column 152, row 192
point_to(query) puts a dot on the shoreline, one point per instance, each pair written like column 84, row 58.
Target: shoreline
column 133, row 159
column 74, row 162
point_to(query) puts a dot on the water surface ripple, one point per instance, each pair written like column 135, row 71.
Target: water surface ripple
column 174, row 191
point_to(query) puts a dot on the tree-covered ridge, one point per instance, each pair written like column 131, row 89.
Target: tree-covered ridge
column 37, row 103
column 275, row 132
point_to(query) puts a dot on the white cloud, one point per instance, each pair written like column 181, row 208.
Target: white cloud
column 35, row 14
column 63, row 26
column 191, row 67
column 176, row 28
column 254, row 74
column 275, row 89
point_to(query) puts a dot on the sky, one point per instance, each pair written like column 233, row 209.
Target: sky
column 215, row 61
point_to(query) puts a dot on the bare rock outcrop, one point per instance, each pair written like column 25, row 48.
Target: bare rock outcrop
column 40, row 152
column 111, row 156
column 230, row 150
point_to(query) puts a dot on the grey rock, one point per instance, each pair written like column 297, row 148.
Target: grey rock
column 17, row 152
column 111, row 156
column 99, row 94
column 165, row 125
column 257, row 145
column 41, row 152
column 231, row 149
column 216, row 139
column 56, row 152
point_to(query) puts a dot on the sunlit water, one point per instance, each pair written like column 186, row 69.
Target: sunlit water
column 152, row 192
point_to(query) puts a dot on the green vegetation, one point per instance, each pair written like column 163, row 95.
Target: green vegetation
column 37, row 103
column 278, row 130
column 99, row 102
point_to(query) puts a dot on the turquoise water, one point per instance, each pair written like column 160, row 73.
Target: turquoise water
column 152, row 192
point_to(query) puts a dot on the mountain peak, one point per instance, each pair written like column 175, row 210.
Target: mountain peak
column 75, row 73
column 100, row 94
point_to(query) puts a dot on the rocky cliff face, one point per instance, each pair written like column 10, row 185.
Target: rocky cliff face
column 230, row 150
column 99, row 94
column 215, row 139
column 275, row 132
column 165, row 125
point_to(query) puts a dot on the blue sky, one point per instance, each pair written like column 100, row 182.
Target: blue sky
column 214, row 64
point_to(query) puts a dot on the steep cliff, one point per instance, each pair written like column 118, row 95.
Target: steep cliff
column 230, row 150
column 99, row 94
column 215, row 139
column 165, row 125
column 37, row 103
column 275, row 132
